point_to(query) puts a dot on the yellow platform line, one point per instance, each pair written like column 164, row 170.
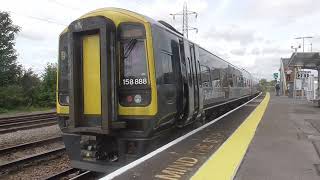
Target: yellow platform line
column 224, row 163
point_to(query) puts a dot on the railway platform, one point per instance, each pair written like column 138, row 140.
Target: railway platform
column 286, row 145
column 275, row 138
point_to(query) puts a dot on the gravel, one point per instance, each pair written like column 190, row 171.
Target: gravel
column 42, row 170
column 29, row 151
column 29, row 135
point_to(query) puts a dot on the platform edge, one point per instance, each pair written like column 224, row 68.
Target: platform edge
column 224, row 163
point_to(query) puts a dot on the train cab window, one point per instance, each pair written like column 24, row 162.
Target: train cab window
column 133, row 58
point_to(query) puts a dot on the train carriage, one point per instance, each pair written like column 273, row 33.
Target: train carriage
column 125, row 80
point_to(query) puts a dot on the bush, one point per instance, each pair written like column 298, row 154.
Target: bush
column 11, row 97
column 30, row 91
column 46, row 92
column 3, row 110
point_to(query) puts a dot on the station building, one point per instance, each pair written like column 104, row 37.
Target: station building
column 299, row 76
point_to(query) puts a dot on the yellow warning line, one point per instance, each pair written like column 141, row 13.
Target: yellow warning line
column 224, row 163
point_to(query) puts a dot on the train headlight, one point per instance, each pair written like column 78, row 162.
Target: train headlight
column 137, row 98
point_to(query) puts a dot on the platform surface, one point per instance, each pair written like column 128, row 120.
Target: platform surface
column 286, row 145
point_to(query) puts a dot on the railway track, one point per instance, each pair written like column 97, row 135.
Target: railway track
column 10, row 165
column 29, row 145
column 64, row 174
column 75, row 174
column 16, row 123
column 30, row 160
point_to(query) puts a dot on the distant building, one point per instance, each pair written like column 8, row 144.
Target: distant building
column 286, row 77
column 296, row 80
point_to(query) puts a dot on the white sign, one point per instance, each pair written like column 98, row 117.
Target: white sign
column 303, row 74
column 298, row 84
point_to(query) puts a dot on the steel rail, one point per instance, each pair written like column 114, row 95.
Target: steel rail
column 29, row 144
column 24, row 160
column 63, row 174
column 24, row 117
column 27, row 122
column 3, row 131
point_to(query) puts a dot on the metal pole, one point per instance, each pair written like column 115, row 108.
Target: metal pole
column 303, row 44
column 294, row 83
column 185, row 19
column 186, row 24
column 305, row 37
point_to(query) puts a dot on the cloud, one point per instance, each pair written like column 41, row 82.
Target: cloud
column 264, row 66
column 31, row 35
column 276, row 51
column 255, row 51
column 282, row 11
column 239, row 51
column 232, row 33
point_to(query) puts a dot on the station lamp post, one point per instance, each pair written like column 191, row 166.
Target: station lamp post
column 304, row 37
column 295, row 48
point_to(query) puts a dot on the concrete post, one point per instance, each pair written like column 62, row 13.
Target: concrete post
column 318, row 86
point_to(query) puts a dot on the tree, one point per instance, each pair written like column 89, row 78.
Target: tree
column 47, row 93
column 11, row 97
column 263, row 83
column 10, row 71
column 30, row 85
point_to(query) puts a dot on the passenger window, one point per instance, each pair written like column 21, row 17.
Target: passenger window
column 230, row 80
column 167, row 68
column 205, row 76
column 181, row 45
column 199, row 74
column 215, row 74
column 190, row 72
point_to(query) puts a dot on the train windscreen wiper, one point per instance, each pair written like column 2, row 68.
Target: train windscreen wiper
column 130, row 47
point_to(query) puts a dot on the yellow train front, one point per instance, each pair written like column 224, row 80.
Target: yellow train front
column 125, row 81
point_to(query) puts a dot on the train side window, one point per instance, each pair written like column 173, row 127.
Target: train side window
column 240, row 81
column 190, row 72
column 167, row 68
column 205, row 76
column 199, row 74
column 230, row 80
column 181, row 46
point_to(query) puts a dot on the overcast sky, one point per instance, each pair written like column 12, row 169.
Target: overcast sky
column 253, row 34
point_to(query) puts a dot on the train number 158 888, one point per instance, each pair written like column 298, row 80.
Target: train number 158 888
column 134, row 81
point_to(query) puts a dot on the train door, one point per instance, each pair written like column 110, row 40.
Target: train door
column 178, row 69
column 189, row 81
column 194, row 78
column 200, row 91
column 93, row 91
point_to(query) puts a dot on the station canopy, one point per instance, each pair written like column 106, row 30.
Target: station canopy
column 305, row 60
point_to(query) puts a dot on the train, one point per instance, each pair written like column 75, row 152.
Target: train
column 125, row 81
